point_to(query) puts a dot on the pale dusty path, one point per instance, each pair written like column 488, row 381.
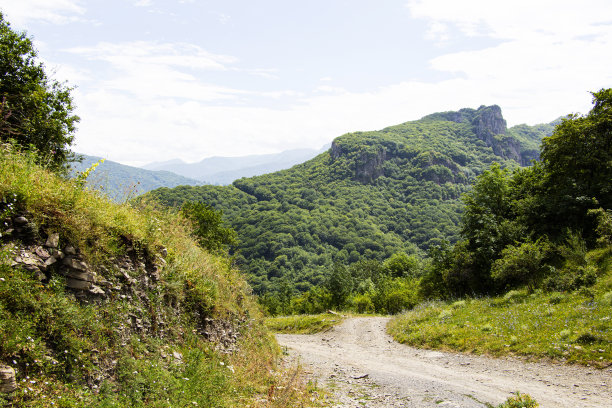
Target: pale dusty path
column 401, row 376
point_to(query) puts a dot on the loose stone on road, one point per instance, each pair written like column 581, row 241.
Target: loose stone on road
column 363, row 367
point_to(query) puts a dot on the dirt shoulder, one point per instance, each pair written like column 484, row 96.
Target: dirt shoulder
column 363, row 366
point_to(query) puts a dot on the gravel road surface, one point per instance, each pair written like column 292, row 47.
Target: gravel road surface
column 363, row 367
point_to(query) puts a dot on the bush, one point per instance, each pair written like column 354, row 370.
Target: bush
column 515, row 296
column 208, row 226
column 458, row 304
column 362, row 303
column 519, row 401
column 521, row 264
column 556, row 298
column 572, row 278
column 606, row 299
column 394, row 295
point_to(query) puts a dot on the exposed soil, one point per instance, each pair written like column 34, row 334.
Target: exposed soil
column 363, row 367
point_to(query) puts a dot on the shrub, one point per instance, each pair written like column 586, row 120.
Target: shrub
column 458, row 304
column 362, row 303
column 515, row 296
column 446, row 313
column 588, row 338
column 606, row 299
column 521, row 264
column 519, row 401
column 394, row 295
column 486, row 327
column 556, row 298
column 208, row 226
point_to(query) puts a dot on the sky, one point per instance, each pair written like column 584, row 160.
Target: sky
column 162, row 79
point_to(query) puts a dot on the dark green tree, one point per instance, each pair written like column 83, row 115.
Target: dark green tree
column 340, row 285
column 402, row 265
column 577, row 163
column 35, row 110
column 488, row 225
column 208, row 226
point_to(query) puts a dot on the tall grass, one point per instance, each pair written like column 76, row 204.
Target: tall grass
column 570, row 327
column 71, row 354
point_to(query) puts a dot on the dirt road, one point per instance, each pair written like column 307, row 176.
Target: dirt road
column 364, row 367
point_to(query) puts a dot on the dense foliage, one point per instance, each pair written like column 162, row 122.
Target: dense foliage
column 35, row 110
column 208, row 229
column 372, row 195
column 534, row 226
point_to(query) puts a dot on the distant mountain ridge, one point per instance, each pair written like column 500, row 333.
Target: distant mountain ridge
column 224, row 170
column 120, row 182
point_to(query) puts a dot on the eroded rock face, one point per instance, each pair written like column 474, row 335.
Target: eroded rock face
column 489, row 122
column 130, row 278
column 369, row 164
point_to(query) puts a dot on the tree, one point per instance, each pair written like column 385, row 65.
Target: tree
column 208, row 226
column 522, row 264
column 340, row 285
column 34, row 109
column 488, row 224
column 577, row 163
column 401, row 265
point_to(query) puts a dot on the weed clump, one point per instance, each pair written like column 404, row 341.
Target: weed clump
column 606, row 299
column 519, row 401
column 458, row 304
column 515, row 296
column 556, row 298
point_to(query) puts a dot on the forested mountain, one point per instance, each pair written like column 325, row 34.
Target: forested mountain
column 224, row 170
column 372, row 195
column 120, row 182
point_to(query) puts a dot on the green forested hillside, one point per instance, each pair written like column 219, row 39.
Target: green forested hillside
column 373, row 194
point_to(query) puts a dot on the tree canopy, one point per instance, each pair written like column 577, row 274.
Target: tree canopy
column 372, row 195
column 35, row 110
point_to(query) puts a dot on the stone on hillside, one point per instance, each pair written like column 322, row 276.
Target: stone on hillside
column 21, row 220
column 52, row 241
column 80, row 275
column 97, row 291
column 155, row 274
column 8, row 382
column 70, row 250
column 50, row 261
column 78, row 284
column 42, row 253
column 75, row 263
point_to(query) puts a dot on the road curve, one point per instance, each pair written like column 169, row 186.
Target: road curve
column 365, row 367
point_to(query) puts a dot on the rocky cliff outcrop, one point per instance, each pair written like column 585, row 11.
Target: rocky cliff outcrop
column 369, row 161
column 488, row 122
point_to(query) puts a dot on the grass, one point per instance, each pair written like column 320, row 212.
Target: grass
column 68, row 353
column 569, row 327
column 303, row 324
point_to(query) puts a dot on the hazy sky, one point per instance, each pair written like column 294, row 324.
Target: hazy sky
column 161, row 79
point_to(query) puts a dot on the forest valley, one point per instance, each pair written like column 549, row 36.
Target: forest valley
column 438, row 208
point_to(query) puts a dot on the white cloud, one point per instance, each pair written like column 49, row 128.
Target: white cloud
column 143, row 3
column 518, row 19
column 158, row 70
column 19, row 12
column 153, row 101
column 549, row 53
